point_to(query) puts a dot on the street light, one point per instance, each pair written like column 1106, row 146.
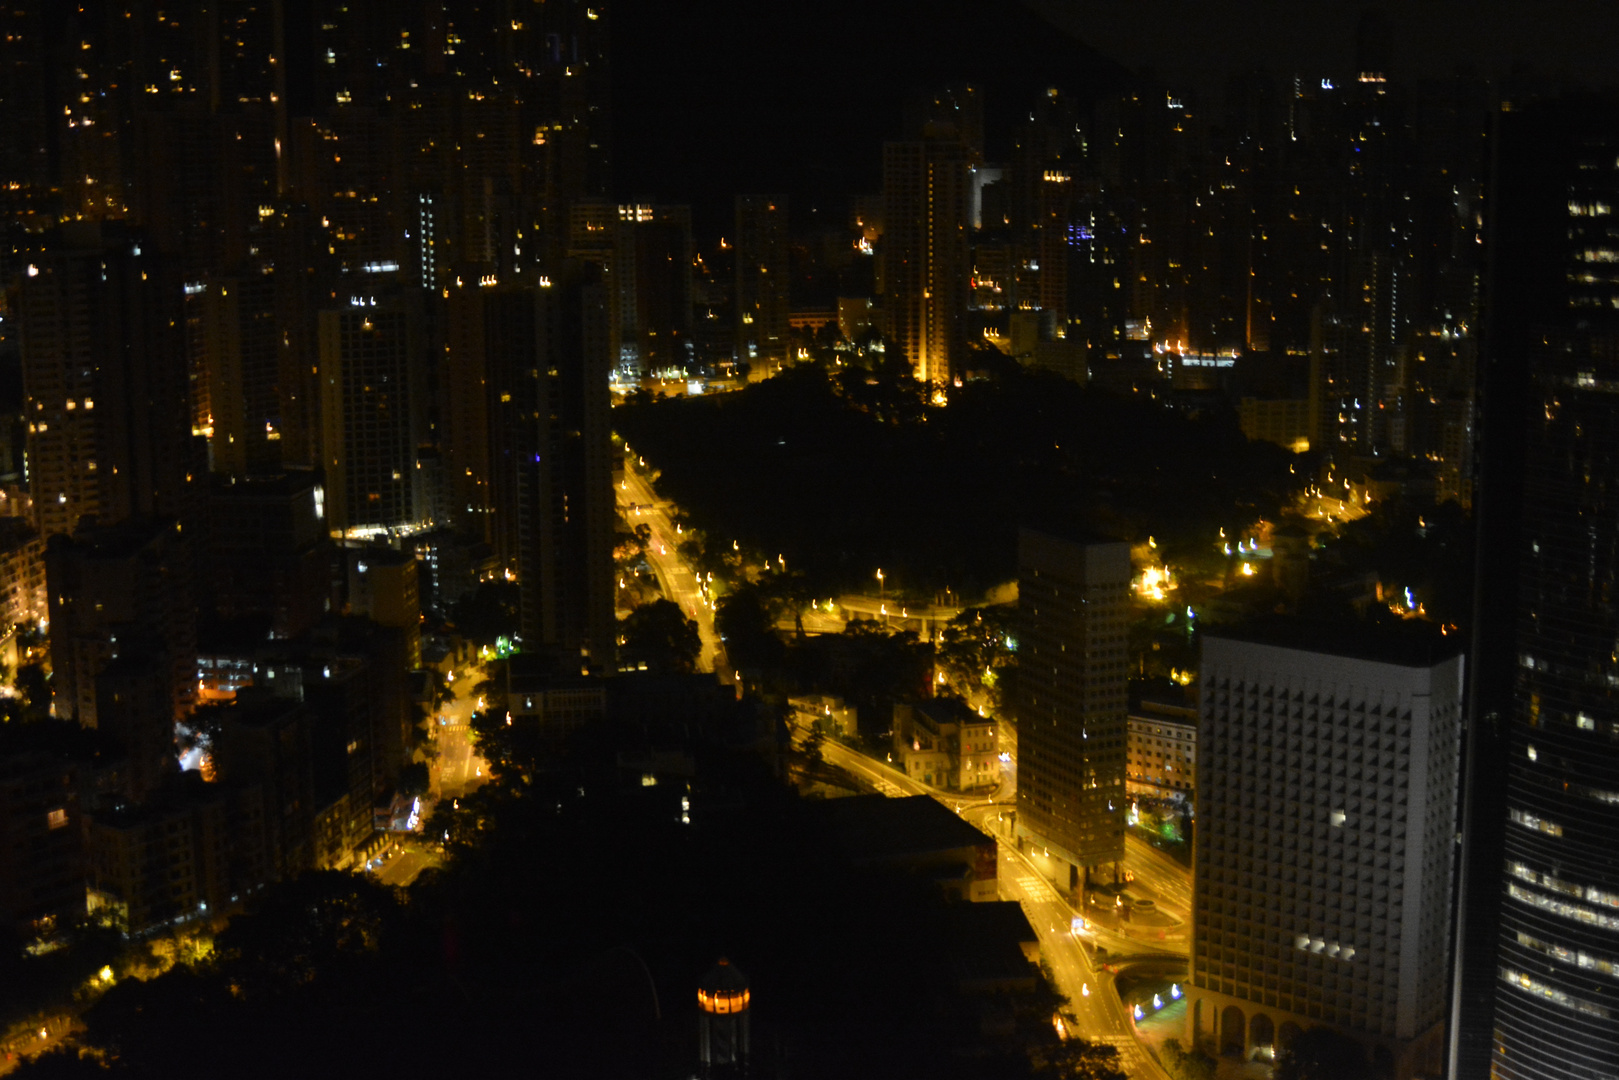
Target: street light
column 881, row 596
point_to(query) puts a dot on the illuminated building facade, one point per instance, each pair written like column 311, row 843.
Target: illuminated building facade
column 1538, row 949
column 924, row 259
column 1072, row 664
column 1326, row 806
column 1162, row 755
column 22, row 578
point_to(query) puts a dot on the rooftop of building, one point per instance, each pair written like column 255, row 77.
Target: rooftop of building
column 254, row 705
column 274, row 486
column 1405, row 642
column 116, row 540
column 1162, row 698
column 947, row 710
column 875, row 828
column 990, row 945
column 15, row 532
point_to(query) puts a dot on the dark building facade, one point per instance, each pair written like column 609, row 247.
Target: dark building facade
column 104, row 376
column 762, row 302
column 565, row 566
column 1538, row 949
column 119, row 590
column 490, row 382
column 371, row 374
column 1073, row 606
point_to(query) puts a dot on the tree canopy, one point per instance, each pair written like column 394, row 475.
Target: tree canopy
column 660, row 636
column 848, row 470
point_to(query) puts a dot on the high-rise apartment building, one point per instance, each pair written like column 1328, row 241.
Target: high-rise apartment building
column 762, row 301
column 267, row 554
column 1073, row 614
column 1538, row 947
column 114, row 589
column 925, row 262
column 652, row 283
column 383, row 587
column 370, row 401
column 235, row 346
column 565, row 556
column 41, row 841
column 490, row 379
column 105, row 382
column 1326, row 809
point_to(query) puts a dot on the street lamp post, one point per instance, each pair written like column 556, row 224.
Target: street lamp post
column 882, row 600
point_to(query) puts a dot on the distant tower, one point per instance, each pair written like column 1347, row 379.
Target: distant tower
column 722, row 1025
column 490, row 390
column 762, row 305
column 653, row 284
column 925, row 263
column 1374, row 46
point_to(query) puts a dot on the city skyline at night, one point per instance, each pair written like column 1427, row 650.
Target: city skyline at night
column 1063, row 541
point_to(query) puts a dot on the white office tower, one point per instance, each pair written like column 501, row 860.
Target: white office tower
column 1326, row 806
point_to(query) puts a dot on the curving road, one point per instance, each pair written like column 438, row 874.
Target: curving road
column 1096, row 1012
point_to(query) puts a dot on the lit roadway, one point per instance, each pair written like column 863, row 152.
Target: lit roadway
column 458, row 769
column 641, row 507
column 1167, row 880
column 1095, row 1010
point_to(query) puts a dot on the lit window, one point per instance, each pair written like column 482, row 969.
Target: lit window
column 1552, row 994
column 56, row 819
column 1531, row 821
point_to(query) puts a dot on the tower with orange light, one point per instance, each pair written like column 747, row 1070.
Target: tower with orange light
column 722, row 1022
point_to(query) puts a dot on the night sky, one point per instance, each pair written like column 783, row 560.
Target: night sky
column 716, row 97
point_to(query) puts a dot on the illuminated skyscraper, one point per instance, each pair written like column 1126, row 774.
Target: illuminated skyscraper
column 1538, row 949
column 1073, row 611
column 925, row 259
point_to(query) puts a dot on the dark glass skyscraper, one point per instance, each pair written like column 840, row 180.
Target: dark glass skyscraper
column 1538, row 972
